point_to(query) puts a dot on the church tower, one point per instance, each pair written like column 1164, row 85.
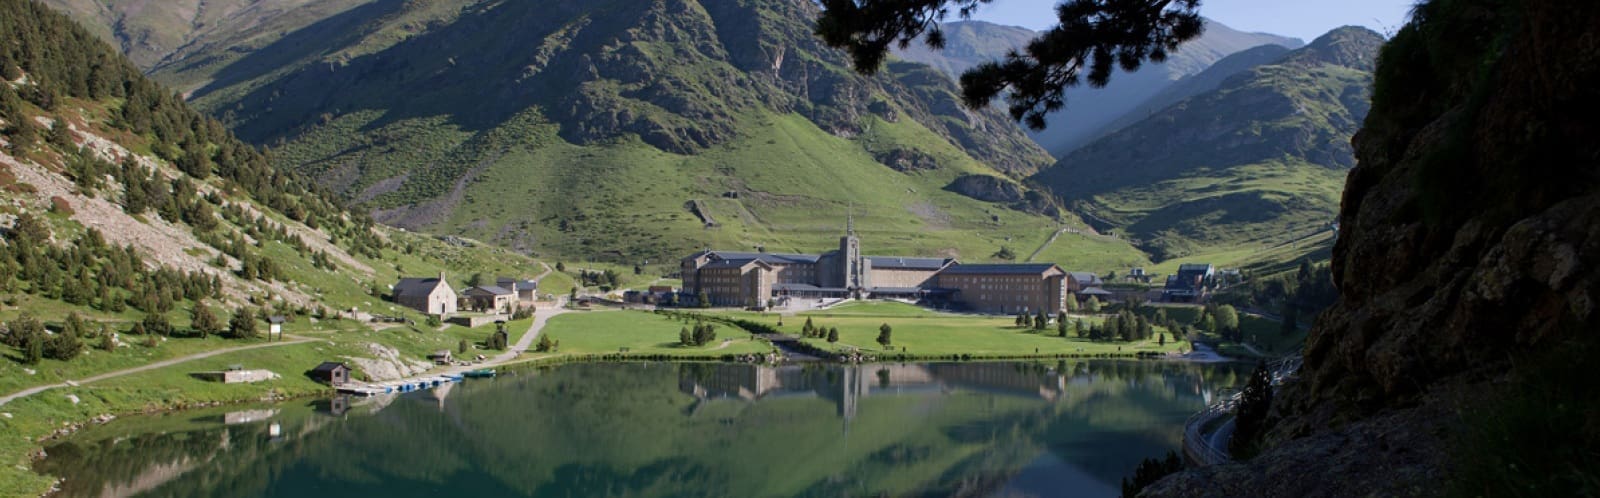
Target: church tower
column 852, row 264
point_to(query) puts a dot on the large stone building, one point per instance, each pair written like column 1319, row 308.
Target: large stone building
column 1007, row 288
column 754, row 279
column 428, row 295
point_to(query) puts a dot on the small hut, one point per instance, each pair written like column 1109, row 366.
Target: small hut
column 332, row 373
column 440, row 357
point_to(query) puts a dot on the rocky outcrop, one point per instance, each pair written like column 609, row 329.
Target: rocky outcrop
column 992, row 189
column 986, row 188
column 1468, row 250
column 906, row 160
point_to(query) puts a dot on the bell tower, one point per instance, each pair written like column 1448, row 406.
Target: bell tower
column 850, row 254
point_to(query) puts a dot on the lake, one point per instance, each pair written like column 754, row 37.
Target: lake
column 1070, row 428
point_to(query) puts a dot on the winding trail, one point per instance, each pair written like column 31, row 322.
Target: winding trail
column 148, row 367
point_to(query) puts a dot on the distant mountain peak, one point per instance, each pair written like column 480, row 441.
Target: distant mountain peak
column 1349, row 46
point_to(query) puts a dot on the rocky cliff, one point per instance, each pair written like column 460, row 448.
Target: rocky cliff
column 1466, row 271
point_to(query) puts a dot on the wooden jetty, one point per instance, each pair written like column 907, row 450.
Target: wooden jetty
column 400, row 386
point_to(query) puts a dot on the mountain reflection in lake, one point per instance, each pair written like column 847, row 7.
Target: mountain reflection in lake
column 1073, row 428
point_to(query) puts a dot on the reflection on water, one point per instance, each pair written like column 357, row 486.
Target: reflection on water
column 975, row 429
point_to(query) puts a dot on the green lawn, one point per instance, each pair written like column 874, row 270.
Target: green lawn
column 607, row 332
column 926, row 332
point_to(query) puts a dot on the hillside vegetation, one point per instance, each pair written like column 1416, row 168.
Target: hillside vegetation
column 1256, row 162
column 134, row 217
column 588, row 131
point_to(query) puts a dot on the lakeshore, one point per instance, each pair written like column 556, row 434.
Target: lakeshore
column 584, row 336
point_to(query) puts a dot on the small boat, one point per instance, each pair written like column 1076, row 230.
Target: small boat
column 484, row 373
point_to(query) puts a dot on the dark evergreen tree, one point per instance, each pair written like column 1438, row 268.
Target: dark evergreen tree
column 156, row 324
column 205, row 323
column 243, row 324
column 1251, row 414
column 885, row 335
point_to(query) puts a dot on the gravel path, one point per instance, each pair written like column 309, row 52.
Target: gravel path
column 148, row 367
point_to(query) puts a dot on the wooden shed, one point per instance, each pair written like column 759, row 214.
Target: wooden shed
column 333, row 373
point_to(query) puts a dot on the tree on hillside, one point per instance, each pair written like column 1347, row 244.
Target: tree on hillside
column 1227, row 318
column 107, row 342
column 66, row 345
column 475, row 280
column 157, row 324
column 1251, row 413
column 1004, row 253
column 807, row 329
column 27, row 334
column 1096, row 36
column 462, row 347
column 1080, row 329
column 1092, row 305
column 243, row 324
column 685, row 338
column 1039, row 321
column 833, row 335
column 204, row 322
column 884, row 335
column 1061, row 326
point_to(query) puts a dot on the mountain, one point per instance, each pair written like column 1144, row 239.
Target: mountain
column 618, row 129
column 1452, row 362
column 1090, row 112
column 1259, row 159
column 967, row 44
column 152, row 32
column 124, row 202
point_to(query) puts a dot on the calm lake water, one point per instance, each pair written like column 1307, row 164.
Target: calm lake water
column 1073, row 428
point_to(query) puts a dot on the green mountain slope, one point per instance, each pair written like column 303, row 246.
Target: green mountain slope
column 1090, row 112
column 125, row 206
column 1259, row 160
column 589, row 130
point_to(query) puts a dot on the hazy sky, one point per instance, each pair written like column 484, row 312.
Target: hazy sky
column 1303, row 19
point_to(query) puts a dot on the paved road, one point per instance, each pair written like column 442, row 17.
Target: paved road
column 145, row 368
column 1219, row 439
column 539, row 319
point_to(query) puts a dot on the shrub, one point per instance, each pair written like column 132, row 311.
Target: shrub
column 59, row 205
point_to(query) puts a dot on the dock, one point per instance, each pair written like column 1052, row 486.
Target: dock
column 400, row 386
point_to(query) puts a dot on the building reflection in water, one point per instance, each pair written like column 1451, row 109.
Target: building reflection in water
column 846, row 385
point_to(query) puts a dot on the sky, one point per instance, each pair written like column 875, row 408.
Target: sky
column 1303, row 19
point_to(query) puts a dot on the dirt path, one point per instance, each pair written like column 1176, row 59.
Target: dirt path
column 148, row 367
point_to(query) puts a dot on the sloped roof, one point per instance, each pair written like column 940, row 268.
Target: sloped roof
column 900, row 263
column 769, row 258
column 328, row 366
column 736, row 263
column 507, row 282
column 1000, row 269
column 493, row 290
column 1085, row 278
column 408, row 286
